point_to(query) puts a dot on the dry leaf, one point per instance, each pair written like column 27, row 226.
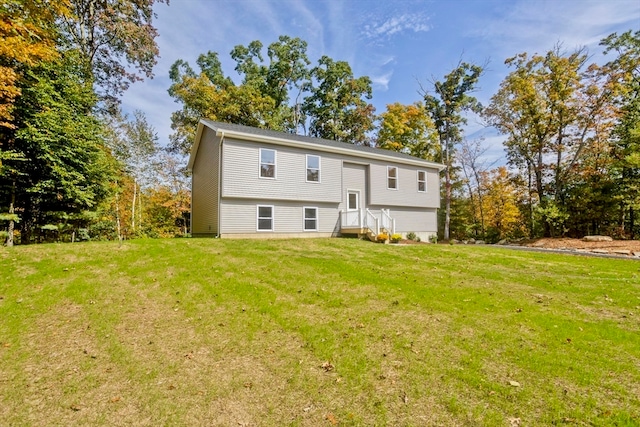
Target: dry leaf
column 327, row 366
column 514, row 383
column 332, row 419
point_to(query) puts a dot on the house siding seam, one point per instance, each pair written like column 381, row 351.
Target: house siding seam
column 204, row 186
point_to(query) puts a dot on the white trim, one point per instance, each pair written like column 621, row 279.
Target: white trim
column 396, row 178
column 304, row 218
column 273, row 217
column 418, row 181
column 275, row 163
column 306, row 169
column 357, row 200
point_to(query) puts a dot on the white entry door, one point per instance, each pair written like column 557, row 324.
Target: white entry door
column 353, row 209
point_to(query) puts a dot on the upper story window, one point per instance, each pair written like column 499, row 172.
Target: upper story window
column 267, row 163
column 313, row 168
column 422, row 181
column 392, row 177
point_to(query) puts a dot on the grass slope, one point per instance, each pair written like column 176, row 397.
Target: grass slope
column 315, row 332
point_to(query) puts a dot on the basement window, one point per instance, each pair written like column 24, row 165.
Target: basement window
column 310, row 219
column 265, row 218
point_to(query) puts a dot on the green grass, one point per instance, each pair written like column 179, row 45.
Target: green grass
column 315, row 332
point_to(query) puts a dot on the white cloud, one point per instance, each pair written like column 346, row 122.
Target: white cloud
column 382, row 81
column 397, row 24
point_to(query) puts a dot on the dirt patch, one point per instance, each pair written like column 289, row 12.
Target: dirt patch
column 614, row 247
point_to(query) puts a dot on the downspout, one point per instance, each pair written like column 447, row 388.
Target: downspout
column 220, row 182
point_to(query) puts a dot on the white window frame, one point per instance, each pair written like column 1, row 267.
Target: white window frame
column 394, row 178
column 272, row 218
column 357, row 193
column 275, row 161
column 423, row 181
column 304, row 218
column 308, row 168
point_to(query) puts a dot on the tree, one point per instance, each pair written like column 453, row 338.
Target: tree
column 27, row 36
column 334, row 107
column 134, row 143
column 337, row 105
column 445, row 105
column 474, row 171
column 209, row 94
column 116, row 40
column 408, row 129
column 500, row 205
column 51, row 176
column 554, row 110
column 625, row 75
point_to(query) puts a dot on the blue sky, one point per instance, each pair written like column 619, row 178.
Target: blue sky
column 398, row 44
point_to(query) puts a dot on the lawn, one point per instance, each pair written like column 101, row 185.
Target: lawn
column 316, row 332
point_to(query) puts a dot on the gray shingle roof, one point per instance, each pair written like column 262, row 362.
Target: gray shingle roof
column 309, row 140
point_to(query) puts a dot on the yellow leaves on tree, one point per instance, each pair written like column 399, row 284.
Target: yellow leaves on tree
column 500, row 204
column 27, row 35
column 408, row 129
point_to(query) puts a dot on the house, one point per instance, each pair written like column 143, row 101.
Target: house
column 250, row 182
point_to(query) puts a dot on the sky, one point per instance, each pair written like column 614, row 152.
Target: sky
column 402, row 45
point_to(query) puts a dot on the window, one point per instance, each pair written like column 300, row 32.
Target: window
column 422, row 181
column 265, row 218
column 313, row 168
column 267, row 163
column 310, row 219
column 392, row 177
column 352, row 200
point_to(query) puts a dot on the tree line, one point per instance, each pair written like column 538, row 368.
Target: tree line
column 73, row 166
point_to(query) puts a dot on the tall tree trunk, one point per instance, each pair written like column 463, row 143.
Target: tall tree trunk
column 133, row 207
column 118, row 228
column 447, row 190
column 12, row 224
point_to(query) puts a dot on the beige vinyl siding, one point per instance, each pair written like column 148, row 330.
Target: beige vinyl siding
column 239, row 217
column 204, row 186
column 406, row 193
column 417, row 220
column 241, row 177
column 354, row 177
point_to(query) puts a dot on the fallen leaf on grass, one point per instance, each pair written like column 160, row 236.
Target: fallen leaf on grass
column 327, row 366
column 514, row 422
column 514, row 383
column 115, row 399
column 332, row 419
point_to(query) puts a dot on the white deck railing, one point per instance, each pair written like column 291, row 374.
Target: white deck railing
column 366, row 219
column 387, row 222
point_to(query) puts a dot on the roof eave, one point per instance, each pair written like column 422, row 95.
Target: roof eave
column 317, row 147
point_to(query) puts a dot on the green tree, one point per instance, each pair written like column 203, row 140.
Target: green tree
column 445, row 104
column 408, row 129
column 27, row 35
column 116, row 41
column 624, row 70
column 337, row 105
column 210, row 94
column 134, row 144
column 555, row 111
column 62, row 165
